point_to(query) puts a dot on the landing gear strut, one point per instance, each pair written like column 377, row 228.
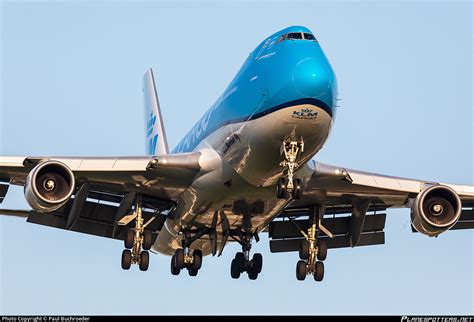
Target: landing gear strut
column 290, row 186
column 137, row 239
column 312, row 252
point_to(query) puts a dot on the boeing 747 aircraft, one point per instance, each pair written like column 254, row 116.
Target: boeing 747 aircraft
column 245, row 169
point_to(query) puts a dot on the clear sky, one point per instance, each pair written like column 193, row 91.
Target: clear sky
column 71, row 85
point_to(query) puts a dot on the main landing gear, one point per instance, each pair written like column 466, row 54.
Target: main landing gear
column 242, row 261
column 192, row 260
column 183, row 258
column 289, row 186
column 137, row 239
column 312, row 252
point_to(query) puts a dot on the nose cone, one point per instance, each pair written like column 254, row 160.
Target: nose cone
column 312, row 78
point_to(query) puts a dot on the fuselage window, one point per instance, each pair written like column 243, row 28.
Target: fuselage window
column 309, row 36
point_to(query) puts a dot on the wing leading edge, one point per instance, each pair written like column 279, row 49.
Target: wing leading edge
column 105, row 189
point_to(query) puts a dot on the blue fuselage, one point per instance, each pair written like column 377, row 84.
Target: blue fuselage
column 285, row 91
column 279, row 73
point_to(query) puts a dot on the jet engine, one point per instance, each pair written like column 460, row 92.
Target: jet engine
column 436, row 209
column 49, row 186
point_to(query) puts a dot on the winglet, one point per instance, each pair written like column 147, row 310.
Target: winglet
column 155, row 130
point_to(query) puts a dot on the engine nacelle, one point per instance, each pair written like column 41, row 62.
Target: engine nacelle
column 49, row 186
column 435, row 210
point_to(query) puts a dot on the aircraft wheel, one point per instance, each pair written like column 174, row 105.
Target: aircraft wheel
column 297, row 189
column 126, row 259
column 257, row 263
column 197, row 259
column 147, row 240
column 179, row 258
column 174, row 269
column 304, row 250
column 144, row 260
column 129, row 237
column 322, row 250
column 301, row 270
column 281, row 188
column 240, row 262
column 234, row 269
column 319, row 275
column 253, row 275
column 192, row 271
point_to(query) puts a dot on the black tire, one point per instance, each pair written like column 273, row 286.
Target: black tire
column 126, row 259
column 144, row 260
column 147, row 240
column 253, row 275
column 322, row 250
column 319, row 275
column 281, row 188
column 240, row 262
column 301, row 270
column 129, row 237
column 174, row 269
column 179, row 258
column 234, row 270
column 197, row 259
column 304, row 250
column 297, row 189
column 257, row 263
column 192, row 272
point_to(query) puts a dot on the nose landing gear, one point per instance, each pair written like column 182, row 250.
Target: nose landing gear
column 289, row 186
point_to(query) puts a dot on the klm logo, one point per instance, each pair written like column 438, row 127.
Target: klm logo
column 152, row 139
column 305, row 114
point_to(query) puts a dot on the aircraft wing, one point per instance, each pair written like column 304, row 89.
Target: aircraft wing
column 106, row 188
column 338, row 185
column 356, row 203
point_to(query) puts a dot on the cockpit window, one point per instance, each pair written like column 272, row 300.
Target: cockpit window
column 294, row 35
column 297, row 36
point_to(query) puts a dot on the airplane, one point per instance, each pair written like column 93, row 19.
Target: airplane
column 245, row 169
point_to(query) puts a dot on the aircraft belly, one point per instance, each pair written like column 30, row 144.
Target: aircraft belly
column 251, row 155
column 197, row 205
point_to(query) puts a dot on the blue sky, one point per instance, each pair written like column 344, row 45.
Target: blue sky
column 71, row 85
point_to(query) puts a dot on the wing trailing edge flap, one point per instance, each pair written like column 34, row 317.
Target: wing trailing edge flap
column 94, row 218
column 358, row 229
column 293, row 245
